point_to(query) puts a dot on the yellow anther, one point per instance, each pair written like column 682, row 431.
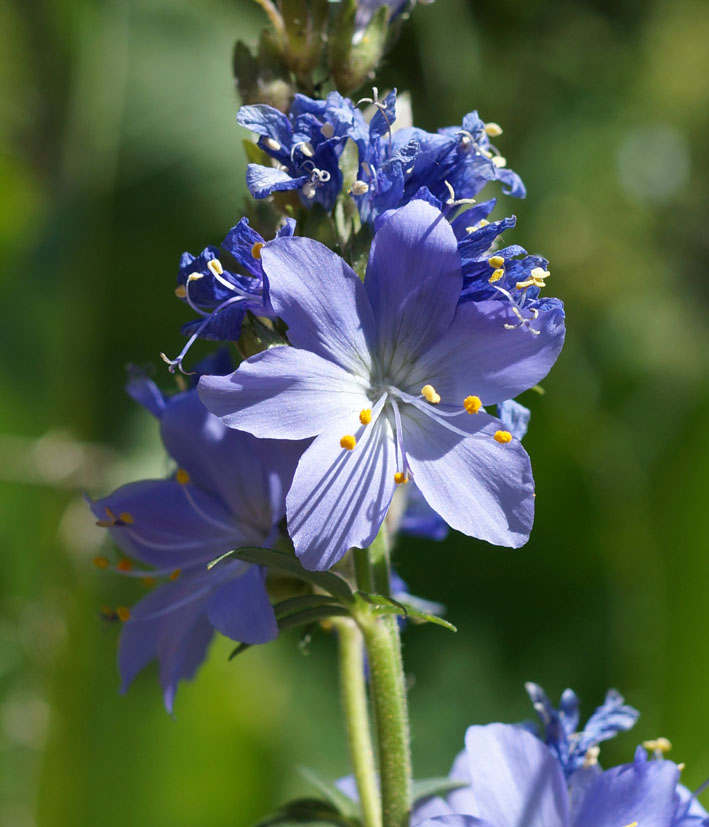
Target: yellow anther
column 272, row 144
column 497, row 275
column 400, row 478
column 348, row 442
column 493, row 129
column 175, row 574
column 503, row 437
column 215, row 266
column 123, row 613
column 429, row 394
column 681, row 766
column 256, row 249
column 359, row 188
column 100, row 561
column 662, row 745
column 482, row 223
column 496, row 261
column 126, row 518
column 198, row 276
column 124, row 564
column 180, row 291
column 590, row 759
column 110, row 514
column 365, row 416
column 536, row 278
column 472, row 404
column 110, row 521
column 148, row 582
column 182, row 476
column 632, row 824
column 499, row 161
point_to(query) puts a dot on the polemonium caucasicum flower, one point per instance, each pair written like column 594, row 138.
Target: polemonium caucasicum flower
column 210, row 284
column 390, row 377
column 573, row 747
column 517, row 780
column 306, row 146
column 228, row 491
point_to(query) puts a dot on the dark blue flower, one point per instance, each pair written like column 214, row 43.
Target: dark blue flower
column 305, row 145
column 390, row 377
column 218, row 293
column 228, row 491
column 577, row 749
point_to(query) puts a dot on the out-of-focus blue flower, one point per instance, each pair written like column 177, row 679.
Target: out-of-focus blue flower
column 305, row 145
column 228, row 491
column 218, row 293
column 390, row 377
column 577, row 749
column 452, row 165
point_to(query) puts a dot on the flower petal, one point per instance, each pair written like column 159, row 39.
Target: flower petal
column 642, row 791
column 339, row 498
column 413, row 280
column 478, row 486
column 240, row 609
column 516, row 779
column 283, row 393
column 479, row 356
column 262, row 181
column 322, row 301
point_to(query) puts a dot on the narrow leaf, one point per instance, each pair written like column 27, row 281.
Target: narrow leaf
column 341, row 802
column 430, row 787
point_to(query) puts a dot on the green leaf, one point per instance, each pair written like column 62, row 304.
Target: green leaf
column 305, row 811
column 281, row 561
column 430, row 787
column 387, row 605
column 417, row 616
column 342, row 803
column 254, row 153
column 306, row 601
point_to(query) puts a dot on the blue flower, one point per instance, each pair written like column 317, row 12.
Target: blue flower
column 390, row 377
column 306, row 145
column 220, row 295
column 228, row 491
column 579, row 749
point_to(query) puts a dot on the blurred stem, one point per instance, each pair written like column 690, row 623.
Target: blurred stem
column 388, row 688
column 354, row 702
column 363, row 570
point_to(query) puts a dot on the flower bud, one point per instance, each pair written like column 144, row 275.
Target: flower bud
column 355, row 53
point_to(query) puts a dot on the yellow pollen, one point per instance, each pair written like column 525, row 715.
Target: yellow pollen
column 348, row 442
column 215, row 266
column 148, row 582
column 175, row 574
column 662, row 745
column 497, row 275
column 536, row 279
column 272, row 144
column 365, row 416
column 256, row 249
column 124, row 564
column 182, row 476
column 632, row 824
column 100, row 561
column 472, row 404
column 494, row 130
column 180, row 291
column 496, row 261
column 197, row 276
column 400, row 478
column 681, row 766
column 110, row 514
column 126, row 518
column 123, row 613
column 499, row 161
column 482, row 223
column 429, row 394
column 110, row 521
column 503, row 437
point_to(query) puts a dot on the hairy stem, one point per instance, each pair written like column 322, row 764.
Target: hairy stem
column 354, row 701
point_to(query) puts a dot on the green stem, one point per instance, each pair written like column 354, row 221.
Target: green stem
column 354, row 701
column 388, row 690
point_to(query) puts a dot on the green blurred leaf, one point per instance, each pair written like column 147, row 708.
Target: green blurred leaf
column 343, row 804
column 430, row 787
column 306, row 601
column 304, row 811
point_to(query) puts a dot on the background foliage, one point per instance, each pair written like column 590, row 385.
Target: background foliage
column 119, row 150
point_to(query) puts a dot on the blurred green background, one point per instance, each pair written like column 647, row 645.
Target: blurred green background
column 119, row 150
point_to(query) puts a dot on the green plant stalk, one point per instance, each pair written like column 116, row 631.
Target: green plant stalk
column 354, row 701
column 388, row 692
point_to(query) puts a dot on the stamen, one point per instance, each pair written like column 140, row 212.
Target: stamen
column 309, row 190
column 111, row 521
column 429, row 394
column 536, row 278
column 661, row 745
column 497, row 275
column 472, row 404
column 256, row 249
column 214, row 265
column 327, row 130
column 272, row 144
column 126, row 518
column 452, row 201
column 348, row 442
column 499, row 161
column 175, row 574
column 632, row 824
column 405, row 469
column 494, row 130
column 100, row 561
column 496, row 261
column 123, row 613
column 503, row 437
column 182, row 476
column 181, row 291
column 365, row 416
column 400, row 478
column 359, row 188
column 124, row 564
column 590, row 759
